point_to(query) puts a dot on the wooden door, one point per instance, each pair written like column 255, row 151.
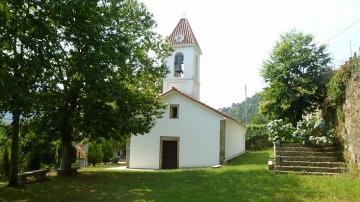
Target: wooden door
column 169, row 154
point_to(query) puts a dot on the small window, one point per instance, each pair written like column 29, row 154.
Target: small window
column 174, row 111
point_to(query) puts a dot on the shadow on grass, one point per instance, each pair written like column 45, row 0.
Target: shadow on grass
column 204, row 185
column 246, row 179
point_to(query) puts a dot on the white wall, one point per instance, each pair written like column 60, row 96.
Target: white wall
column 188, row 83
column 234, row 139
column 187, row 86
column 189, row 62
column 197, row 127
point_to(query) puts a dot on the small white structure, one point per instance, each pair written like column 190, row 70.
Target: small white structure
column 190, row 133
column 81, row 154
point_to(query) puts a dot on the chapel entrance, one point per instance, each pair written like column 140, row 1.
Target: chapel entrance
column 169, row 153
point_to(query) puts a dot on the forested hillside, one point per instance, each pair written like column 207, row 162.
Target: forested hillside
column 238, row 110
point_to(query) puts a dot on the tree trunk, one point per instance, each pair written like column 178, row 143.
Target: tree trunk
column 66, row 157
column 66, row 148
column 14, row 169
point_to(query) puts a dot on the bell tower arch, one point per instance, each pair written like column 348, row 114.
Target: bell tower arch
column 184, row 63
column 178, row 64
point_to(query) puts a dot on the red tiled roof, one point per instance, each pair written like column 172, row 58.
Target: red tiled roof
column 183, row 27
column 203, row 104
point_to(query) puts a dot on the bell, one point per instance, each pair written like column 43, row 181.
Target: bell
column 178, row 69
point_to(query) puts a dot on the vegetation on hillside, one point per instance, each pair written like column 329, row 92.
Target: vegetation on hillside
column 338, row 82
column 256, row 136
column 332, row 108
column 238, row 110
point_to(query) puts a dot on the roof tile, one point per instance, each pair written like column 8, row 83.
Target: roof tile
column 183, row 27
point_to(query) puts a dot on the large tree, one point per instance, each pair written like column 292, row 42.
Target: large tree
column 107, row 72
column 296, row 73
column 24, row 54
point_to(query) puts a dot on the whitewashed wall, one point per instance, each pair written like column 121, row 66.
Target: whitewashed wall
column 187, row 86
column 234, row 139
column 197, row 127
column 189, row 62
column 188, row 83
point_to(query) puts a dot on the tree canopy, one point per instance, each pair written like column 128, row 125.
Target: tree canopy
column 107, row 72
column 296, row 74
column 25, row 52
column 81, row 68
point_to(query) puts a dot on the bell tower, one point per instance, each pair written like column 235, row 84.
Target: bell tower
column 184, row 63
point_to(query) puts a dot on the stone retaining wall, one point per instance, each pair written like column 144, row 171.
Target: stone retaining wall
column 351, row 131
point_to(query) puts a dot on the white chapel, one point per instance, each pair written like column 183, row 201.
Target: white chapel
column 190, row 133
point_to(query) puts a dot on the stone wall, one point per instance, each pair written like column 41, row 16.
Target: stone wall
column 351, row 131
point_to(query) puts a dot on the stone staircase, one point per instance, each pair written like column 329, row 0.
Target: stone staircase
column 296, row 158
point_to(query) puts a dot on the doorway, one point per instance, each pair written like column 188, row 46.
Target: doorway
column 169, row 152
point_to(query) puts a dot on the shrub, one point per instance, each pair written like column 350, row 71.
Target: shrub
column 257, row 137
column 36, row 147
column 75, row 165
column 310, row 131
column 279, row 131
column 107, row 150
column 4, row 162
column 333, row 107
column 314, row 132
column 95, row 154
column 115, row 159
column 4, row 152
column 338, row 82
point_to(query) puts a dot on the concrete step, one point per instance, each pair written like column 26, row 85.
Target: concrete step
column 296, row 158
column 310, row 169
column 314, row 149
column 291, row 145
column 306, row 153
column 313, row 164
column 308, row 158
column 306, row 173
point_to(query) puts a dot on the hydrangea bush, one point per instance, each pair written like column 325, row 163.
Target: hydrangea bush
column 279, row 131
column 311, row 131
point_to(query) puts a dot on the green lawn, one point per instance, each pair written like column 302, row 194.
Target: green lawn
column 246, row 179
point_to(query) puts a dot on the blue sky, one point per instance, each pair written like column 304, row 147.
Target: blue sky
column 237, row 36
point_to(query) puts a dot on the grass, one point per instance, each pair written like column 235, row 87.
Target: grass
column 245, row 179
